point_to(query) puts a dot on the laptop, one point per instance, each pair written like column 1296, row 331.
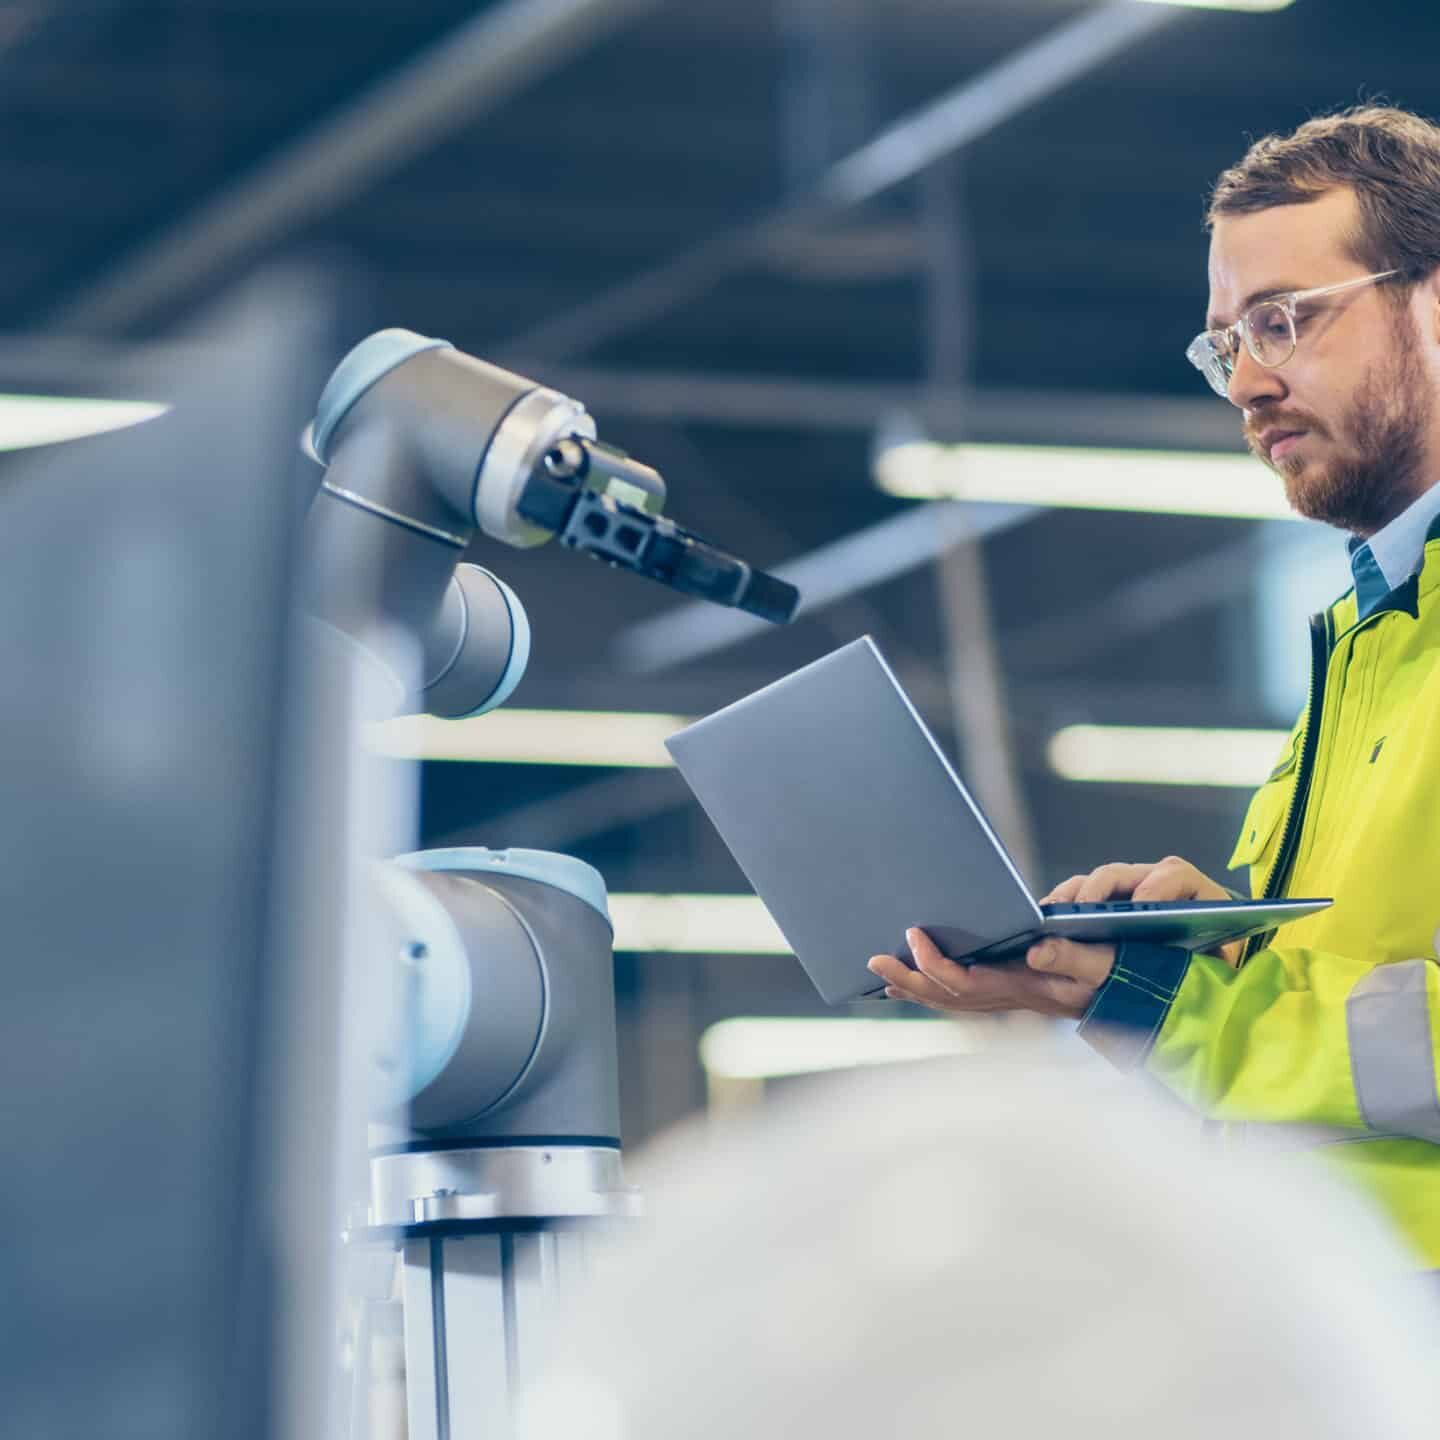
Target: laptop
column 851, row 825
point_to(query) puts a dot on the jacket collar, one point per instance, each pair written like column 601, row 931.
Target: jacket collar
column 1396, row 551
column 1404, row 596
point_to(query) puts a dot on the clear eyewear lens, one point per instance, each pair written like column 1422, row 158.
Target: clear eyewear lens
column 1204, row 355
column 1270, row 333
column 1268, row 329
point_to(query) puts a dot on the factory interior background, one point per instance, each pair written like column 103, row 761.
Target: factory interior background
column 870, row 282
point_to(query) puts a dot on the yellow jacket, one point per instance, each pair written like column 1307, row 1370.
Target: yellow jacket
column 1327, row 1034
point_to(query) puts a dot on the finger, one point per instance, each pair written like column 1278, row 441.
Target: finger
column 923, row 991
column 890, row 969
column 1176, row 879
column 1110, row 882
column 1065, row 891
column 1089, row 964
column 944, row 1007
column 986, row 987
column 974, row 987
column 910, row 984
column 937, row 966
column 979, row 987
column 969, row 987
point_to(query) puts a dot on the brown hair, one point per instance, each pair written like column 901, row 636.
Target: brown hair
column 1389, row 157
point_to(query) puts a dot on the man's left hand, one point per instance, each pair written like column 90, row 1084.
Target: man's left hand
column 1058, row 977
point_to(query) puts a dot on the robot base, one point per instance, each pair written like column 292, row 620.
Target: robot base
column 495, row 1238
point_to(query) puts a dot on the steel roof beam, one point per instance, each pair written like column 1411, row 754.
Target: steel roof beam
column 788, row 402
column 898, row 153
column 473, row 70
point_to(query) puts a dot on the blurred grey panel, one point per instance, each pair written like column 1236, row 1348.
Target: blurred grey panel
column 145, row 583
column 881, row 552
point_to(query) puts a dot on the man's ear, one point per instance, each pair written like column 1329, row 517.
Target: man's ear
column 1429, row 291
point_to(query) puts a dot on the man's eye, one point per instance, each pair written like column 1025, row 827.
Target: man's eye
column 1270, row 322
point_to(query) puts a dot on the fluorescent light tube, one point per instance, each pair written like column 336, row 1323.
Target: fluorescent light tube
column 1158, row 755
column 532, row 737
column 695, row 925
column 765, row 1047
column 29, row 420
column 1176, row 482
column 1254, row 6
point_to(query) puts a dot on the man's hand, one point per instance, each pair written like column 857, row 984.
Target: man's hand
column 1169, row 879
column 1057, row 978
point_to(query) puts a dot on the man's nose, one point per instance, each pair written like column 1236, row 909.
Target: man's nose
column 1253, row 384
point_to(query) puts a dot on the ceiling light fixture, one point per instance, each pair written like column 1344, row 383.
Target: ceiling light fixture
column 1162, row 755
column 30, row 420
column 1173, row 482
column 1253, row 6
column 532, row 737
column 767, row 1047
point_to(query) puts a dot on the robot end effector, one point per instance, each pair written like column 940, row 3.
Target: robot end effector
column 423, row 447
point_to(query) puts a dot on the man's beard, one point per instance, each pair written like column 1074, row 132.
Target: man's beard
column 1363, row 487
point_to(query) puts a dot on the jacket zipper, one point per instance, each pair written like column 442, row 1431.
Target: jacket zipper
column 1320, row 642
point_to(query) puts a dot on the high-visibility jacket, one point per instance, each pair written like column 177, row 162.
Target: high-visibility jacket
column 1327, row 1034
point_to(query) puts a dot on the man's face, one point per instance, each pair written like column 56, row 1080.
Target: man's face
column 1348, row 423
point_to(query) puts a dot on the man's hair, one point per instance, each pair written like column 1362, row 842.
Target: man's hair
column 1389, row 157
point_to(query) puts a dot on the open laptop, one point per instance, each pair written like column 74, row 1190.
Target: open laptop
column 851, row 825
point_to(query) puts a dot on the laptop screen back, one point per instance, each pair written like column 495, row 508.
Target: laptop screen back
column 849, row 822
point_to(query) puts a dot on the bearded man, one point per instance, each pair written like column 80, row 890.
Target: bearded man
column 1324, row 330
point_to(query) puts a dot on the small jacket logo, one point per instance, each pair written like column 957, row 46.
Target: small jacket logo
column 1379, row 745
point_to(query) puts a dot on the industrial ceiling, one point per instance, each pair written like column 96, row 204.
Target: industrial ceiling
column 676, row 212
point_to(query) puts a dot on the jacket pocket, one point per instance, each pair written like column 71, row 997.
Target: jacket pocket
column 1262, row 822
column 1260, row 832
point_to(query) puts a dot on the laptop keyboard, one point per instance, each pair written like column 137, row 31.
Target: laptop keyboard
column 1114, row 907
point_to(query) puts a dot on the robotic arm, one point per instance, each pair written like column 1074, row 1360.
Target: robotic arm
column 423, row 446
column 502, row 1078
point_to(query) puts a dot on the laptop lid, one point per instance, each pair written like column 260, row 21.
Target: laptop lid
column 842, row 811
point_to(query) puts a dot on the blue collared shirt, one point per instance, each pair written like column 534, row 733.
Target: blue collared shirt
column 1393, row 553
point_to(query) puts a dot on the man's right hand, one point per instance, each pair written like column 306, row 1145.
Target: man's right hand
column 1169, row 879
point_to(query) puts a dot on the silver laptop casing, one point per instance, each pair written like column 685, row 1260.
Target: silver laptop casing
column 852, row 826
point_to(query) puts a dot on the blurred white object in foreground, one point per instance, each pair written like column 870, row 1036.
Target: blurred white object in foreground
column 981, row 1247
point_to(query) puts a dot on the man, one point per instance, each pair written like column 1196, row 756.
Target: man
column 1324, row 330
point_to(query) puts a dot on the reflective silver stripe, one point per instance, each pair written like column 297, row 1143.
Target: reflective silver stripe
column 1392, row 1060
